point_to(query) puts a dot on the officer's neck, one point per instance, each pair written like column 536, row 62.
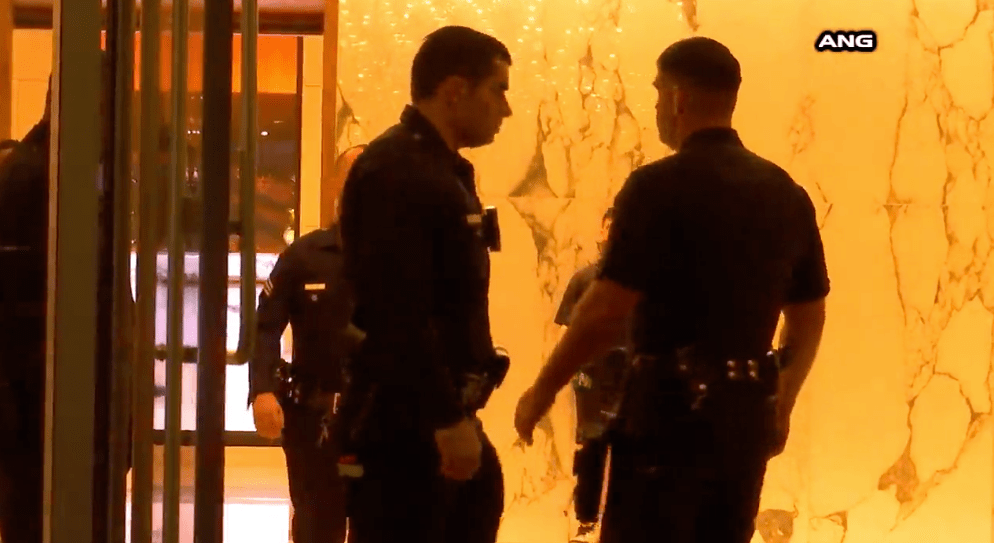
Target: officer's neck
column 691, row 126
column 440, row 120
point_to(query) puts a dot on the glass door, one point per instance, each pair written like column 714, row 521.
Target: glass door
column 173, row 436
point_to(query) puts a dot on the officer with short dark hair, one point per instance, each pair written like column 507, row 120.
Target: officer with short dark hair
column 597, row 389
column 306, row 290
column 417, row 241
column 709, row 247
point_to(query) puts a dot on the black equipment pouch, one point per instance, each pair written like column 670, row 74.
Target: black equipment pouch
column 306, row 391
column 285, row 380
column 478, row 386
column 598, row 388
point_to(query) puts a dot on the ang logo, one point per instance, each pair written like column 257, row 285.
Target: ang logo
column 846, row 41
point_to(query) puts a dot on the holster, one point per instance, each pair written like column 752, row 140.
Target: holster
column 362, row 424
column 598, row 389
column 300, row 390
column 477, row 386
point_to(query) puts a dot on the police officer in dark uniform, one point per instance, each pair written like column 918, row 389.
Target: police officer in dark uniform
column 416, row 241
column 597, row 388
column 306, row 290
column 23, row 265
column 709, row 246
column 24, row 218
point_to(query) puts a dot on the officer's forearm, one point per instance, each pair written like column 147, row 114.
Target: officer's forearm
column 591, row 334
column 263, row 380
column 803, row 326
column 265, row 362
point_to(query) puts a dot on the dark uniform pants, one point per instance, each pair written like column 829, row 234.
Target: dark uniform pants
column 316, row 491
column 22, row 423
column 588, row 467
column 699, row 482
column 403, row 498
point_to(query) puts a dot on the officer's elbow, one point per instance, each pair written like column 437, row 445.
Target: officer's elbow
column 806, row 315
column 804, row 324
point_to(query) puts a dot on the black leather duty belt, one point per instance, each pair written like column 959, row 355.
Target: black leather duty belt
column 701, row 375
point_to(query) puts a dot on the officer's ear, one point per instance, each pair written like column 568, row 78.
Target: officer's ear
column 681, row 100
column 453, row 89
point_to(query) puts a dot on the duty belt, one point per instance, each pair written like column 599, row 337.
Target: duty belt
column 304, row 391
column 704, row 375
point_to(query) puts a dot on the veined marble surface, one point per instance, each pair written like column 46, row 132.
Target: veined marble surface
column 891, row 442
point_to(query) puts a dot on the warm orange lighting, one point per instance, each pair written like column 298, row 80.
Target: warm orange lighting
column 32, row 63
column 277, row 58
column 892, row 440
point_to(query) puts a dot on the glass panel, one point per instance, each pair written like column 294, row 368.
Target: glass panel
column 276, row 204
column 277, row 191
column 257, row 508
column 246, row 520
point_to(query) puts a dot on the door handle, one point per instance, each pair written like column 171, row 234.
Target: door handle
column 246, row 208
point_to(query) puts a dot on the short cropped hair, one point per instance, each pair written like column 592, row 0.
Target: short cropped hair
column 454, row 51
column 702, row 63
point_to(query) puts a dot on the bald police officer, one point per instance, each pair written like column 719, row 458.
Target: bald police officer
column 306, row 290
column 709, row 246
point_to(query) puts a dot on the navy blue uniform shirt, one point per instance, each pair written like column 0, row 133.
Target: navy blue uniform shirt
column 305, row 290
column 718, row 240
column 420, row 270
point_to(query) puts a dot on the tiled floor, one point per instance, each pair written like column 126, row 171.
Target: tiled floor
column 257, row 507
column 245, row 521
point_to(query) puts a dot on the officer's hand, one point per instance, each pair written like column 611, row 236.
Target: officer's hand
column 268, row 415
column 531, row 408
column 460, row 449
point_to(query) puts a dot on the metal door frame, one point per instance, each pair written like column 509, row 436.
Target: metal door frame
column 72, row 282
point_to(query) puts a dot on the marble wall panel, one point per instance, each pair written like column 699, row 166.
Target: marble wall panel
column 891, row 442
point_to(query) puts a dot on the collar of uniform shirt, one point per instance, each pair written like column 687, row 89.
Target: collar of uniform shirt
column 331, row 237
column 600, row 317
column 419, row 124
column 715, row 135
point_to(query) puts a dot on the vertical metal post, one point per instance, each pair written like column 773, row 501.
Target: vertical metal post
column 250, row 135
column 149, row 207
column 72, row 276
column 299, row 112
column 216, row 171
column 121, row 50
column 105, row 294
column 175, row 291
column 6, row 67
column 331, row 185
